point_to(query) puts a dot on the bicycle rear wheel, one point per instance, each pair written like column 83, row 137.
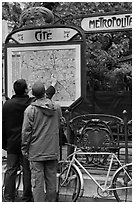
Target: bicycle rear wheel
column 69, row 188
column 122, row 182
column 17, row 181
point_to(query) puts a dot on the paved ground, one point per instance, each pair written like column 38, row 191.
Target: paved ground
column 83, row 199
column 90, row 192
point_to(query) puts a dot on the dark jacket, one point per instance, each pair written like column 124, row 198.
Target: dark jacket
column 12, row 119
column 40, row 130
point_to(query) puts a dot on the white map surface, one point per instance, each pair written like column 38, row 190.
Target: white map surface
column 41, row 64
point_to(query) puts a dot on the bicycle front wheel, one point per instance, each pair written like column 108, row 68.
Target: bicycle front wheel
column 69, row 186
column 122, row 182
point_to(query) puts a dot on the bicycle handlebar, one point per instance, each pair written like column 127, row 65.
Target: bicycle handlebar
column 69, row 144
column 75, row 146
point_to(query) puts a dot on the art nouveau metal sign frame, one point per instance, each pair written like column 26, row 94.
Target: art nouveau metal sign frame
column 36, row 54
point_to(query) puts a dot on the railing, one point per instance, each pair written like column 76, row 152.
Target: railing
column 99, row 132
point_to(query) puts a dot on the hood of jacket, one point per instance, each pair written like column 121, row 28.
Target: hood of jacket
column 45, row 105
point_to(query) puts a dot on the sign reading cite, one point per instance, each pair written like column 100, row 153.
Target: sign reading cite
column 104, row 23
column 44, row 35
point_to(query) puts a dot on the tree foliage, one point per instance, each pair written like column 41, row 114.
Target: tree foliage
column 103, row 52
column 11, row 11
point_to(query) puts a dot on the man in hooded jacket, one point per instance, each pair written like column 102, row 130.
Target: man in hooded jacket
column 40, row 143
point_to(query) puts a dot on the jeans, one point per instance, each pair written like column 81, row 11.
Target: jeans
column 13, row 163
column 27, row 187
column 44, row 177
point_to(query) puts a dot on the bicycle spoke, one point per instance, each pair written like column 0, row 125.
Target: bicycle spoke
column 69, row 187
column 71, row 181
column 122, row 183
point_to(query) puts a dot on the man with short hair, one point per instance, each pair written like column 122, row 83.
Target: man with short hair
column 40, row 143
column 12, row 119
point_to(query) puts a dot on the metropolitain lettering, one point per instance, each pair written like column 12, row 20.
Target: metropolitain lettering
column 102, row 22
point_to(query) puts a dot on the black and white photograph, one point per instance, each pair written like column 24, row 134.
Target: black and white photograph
column 66, row 101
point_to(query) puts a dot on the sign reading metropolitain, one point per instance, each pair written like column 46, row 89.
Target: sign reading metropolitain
column 109, row 22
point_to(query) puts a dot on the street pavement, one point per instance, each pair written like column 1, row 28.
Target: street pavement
column 82, row 199
column 89, row 195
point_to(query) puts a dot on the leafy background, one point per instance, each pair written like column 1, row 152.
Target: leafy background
column 108, row 55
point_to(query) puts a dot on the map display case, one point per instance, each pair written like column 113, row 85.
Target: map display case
column 37, row 54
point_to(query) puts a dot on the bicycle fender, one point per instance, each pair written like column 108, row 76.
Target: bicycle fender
column 81, row 179
column 125, row 165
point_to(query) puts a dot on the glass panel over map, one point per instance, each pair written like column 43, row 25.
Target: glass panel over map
column 64, row 64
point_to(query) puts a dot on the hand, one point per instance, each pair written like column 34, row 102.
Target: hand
column 62, row 121
column 53, row 80
column 25, row 154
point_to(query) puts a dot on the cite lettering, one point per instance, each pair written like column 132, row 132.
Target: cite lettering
column 43, row 35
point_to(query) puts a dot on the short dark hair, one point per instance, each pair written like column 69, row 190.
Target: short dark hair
column 20, row 86
column 38, row 89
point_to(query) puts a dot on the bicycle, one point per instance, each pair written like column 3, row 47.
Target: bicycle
column 18, row 176
column 71, row 182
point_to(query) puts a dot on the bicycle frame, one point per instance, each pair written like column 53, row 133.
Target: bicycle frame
column 113, row 157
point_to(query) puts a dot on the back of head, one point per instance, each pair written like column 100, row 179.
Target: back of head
column 38, row 89
column 20, row 86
